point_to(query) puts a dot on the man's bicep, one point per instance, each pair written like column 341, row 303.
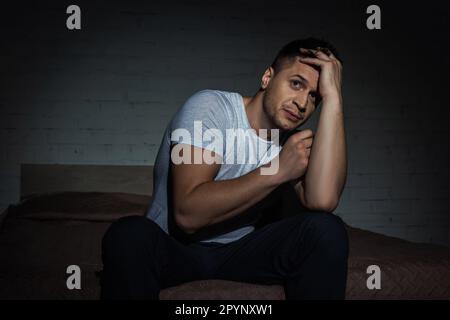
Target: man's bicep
column 190, row 167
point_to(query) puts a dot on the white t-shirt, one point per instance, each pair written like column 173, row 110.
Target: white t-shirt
column 241, row 150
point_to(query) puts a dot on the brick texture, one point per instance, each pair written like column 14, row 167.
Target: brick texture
column 104, row 94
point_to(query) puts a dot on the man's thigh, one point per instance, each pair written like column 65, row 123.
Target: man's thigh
column 266, row 255
column 184, row 263
column 139, row 246
column 281, row 213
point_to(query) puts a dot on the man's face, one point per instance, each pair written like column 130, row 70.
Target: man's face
column 291, row 95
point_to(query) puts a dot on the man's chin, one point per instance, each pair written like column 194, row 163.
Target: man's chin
column 286, row 127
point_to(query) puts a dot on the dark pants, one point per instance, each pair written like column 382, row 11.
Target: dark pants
column 305, row 252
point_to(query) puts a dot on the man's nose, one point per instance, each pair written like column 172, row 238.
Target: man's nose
column 301, row 103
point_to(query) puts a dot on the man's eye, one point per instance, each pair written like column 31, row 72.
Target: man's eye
column 296, row 83
column 313, row 95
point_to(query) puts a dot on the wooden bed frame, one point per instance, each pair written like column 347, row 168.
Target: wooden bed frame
column 44, row 178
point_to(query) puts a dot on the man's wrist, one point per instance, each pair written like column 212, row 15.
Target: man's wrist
column 334, row 98
column 274, row 177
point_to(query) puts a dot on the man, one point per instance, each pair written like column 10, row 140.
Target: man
column 218, row 219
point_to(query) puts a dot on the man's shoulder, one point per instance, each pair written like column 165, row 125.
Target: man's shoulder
column 209, row 106
column 214, row 95
column 212, row 103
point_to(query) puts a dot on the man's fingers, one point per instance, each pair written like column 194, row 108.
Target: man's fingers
column 330, row 55
column 317, row 53
column 313, row 61
column 323, row 53
column 308, row 152
column 304, row 134
column 308, row 142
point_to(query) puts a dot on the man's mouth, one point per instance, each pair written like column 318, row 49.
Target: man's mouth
column 292, row 115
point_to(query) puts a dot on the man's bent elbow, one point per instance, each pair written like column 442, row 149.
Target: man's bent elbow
column 186, row 223
column 324, row 205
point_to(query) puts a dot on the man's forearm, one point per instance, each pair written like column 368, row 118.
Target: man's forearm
column 327, row 169
column 215, row 201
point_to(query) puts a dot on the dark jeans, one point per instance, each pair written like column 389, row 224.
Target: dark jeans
column 306, row 252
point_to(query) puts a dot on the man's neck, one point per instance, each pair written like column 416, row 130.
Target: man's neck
column 256, row 115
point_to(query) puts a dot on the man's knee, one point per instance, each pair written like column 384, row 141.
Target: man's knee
column 330, row 233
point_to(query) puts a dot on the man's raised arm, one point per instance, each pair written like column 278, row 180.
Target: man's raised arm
column 326, row 175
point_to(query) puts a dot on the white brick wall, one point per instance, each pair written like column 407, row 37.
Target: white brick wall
column 104, row 94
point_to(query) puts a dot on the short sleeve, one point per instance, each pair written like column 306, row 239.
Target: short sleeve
column 201, row 122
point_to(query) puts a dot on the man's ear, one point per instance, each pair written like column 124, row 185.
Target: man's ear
column 267, row 76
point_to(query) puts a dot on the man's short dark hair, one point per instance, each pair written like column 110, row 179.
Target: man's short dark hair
column 289, row 53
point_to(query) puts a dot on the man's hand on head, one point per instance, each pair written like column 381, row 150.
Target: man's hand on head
column 330, row 78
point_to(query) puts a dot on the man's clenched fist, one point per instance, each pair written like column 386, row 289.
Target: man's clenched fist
column 294, row 157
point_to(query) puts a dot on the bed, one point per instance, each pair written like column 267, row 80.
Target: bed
column 64, row 210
